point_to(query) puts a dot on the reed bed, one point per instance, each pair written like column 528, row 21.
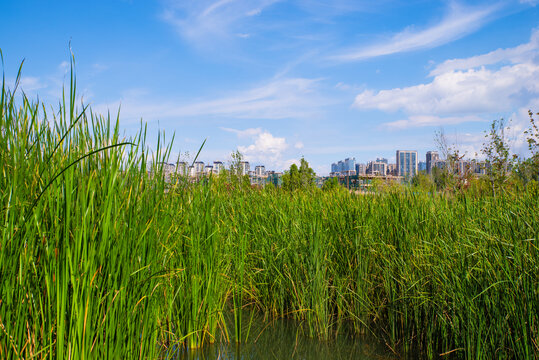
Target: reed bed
column 101, row 258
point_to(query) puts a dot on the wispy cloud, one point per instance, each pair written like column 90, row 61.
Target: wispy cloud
column 243, row 133
column 429, row 120
column 201, row 19
column 30, row 84
column 528, row 52
column 459, row 21
column 47, row 86
column 278, row 99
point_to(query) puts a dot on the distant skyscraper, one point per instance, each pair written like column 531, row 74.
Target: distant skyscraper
column 349, row 164
column 378, row 168
column 218, row 166
column 432, row 157
column 440, row 164
column 361, row 169
column 422, row 166
column 245, row 167
column 382, row 160
column 183, row 168
column 392, row 169
column 199, row 167
column 340, row 166
column 334, row 168
column 260, row 170
column 407, row 163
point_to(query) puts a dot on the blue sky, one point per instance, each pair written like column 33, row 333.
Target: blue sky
column 282, row 79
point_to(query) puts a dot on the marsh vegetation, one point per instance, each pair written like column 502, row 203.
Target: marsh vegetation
column 100, row 259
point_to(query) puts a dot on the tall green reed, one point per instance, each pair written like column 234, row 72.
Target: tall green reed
column 101, row 257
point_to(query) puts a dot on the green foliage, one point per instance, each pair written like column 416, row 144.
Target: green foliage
column 331, row 184
column 528, row 169
column 100, row 258
column 424, row 182
column 499, row 161
column 299, row 179
column 233, row 177
column 449, row 178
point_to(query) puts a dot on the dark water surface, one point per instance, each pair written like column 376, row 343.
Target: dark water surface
column 285, row 339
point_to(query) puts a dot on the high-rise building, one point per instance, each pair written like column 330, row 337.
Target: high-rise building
column 361, row 169
column 440, row 164
column 422, row 166
column 377, row 168
column 392, row 169
column 199, row 167
column 407, row 163
column 218, row 166
column 183, row 168
column 260, row 170
column 274, row 178
column 340, row 166
column 432, row 157
column 382, row 160
column 344, row 167
column 349, row 165
column 479, row 167
column 208, row 169
column 245, row 167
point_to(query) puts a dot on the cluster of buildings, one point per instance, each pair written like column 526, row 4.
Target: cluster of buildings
column 407, row 166
column 259, row 175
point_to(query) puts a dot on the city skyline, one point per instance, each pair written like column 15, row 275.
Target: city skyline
column 282, row 79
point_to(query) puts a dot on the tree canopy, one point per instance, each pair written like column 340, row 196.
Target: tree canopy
column 299, row 178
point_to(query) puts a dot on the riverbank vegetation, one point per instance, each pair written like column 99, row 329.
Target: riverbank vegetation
column 100, row 259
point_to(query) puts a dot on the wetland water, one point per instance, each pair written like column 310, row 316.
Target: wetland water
column 285, row 339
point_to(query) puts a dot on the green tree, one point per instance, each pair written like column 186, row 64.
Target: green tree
column 448, row 178
column 423, row 181
column 530, row 166
column 499, row 161
column 331, row 184
column 234, row 174
column 299, row 178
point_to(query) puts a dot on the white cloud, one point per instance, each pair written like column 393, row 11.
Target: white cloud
column 277, row 99
column 429, row 120
column 520, row 121
column 459, row 22
column 243, row 133
column 48, row 86
column 289, row 162
column 272, row 151
column 265, row 145
column 524, row 53
column 460, row 92
column 203, row 19
column 30, row 84
column 478, row 88
column 64, row 67
column 265, row 149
